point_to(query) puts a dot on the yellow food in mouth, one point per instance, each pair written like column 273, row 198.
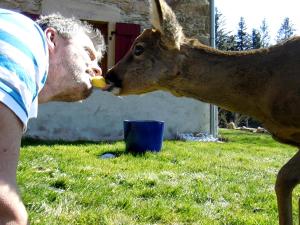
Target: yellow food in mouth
column 98, row 82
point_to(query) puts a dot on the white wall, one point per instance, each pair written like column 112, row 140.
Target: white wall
column 101, row 116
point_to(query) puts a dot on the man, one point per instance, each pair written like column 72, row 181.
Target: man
column 51, row 60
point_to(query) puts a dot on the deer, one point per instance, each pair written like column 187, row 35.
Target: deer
column 262, row 83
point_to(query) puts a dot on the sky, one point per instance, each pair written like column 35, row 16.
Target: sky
column 254, row 11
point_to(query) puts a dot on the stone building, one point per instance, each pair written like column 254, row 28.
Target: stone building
column 101, row 116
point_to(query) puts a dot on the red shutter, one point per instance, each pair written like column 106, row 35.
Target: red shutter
column 125, row 35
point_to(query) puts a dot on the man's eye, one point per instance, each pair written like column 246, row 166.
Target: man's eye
column 138, row 50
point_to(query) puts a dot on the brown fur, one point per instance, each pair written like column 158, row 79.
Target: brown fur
column 261, row 83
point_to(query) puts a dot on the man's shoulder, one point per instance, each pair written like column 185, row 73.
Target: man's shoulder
column 14, row 17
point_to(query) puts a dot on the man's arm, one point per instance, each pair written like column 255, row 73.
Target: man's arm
column 12, row 210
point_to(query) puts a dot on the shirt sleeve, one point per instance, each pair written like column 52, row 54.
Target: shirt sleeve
column 23, row 64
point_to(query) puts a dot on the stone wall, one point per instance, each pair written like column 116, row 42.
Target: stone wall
column 193, row 15
column 31, row 6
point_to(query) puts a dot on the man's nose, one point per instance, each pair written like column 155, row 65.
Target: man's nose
column 96, row 69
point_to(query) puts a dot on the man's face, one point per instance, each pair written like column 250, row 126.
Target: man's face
column 75, row 63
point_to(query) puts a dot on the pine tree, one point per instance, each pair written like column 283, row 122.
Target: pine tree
column 285, row 31
column 230, row 43
column 242, row 38
column 219, row 30
column 223, row 40
column 256, row 39
column 265, row 37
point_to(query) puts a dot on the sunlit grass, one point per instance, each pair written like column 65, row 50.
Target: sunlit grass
column 186, row 183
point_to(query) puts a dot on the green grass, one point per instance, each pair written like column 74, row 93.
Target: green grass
column 186, row 183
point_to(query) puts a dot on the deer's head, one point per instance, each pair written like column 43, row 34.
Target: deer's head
column 153, row 57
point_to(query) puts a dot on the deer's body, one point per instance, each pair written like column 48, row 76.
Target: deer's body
column 262, row 83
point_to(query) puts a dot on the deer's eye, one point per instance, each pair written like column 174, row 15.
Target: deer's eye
column 138, row 50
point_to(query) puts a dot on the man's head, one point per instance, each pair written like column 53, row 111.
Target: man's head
column 68, row 27
column 75, row 49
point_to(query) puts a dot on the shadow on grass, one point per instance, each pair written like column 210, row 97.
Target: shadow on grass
column 115, row 154
column 119, row 153
column 39, row 142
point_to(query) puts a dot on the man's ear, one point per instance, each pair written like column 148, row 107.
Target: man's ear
column 51, row 34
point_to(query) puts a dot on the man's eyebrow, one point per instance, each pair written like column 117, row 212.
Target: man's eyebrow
column 92, row 53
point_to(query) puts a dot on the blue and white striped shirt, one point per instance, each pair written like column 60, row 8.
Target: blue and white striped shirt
column 23, row 64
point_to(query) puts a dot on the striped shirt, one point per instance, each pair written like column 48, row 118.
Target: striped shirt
column 23, row 64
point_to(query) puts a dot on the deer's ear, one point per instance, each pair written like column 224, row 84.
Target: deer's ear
column 164, row 20
column 156, row 15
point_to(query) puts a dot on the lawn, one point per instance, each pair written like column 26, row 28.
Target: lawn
column 186, row 183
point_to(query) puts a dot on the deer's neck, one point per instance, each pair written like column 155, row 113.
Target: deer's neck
column 235, row 81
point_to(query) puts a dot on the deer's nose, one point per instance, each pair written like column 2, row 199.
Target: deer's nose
column 113, row 78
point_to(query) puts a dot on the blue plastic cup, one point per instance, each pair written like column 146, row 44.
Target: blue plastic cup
column 143, row 135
